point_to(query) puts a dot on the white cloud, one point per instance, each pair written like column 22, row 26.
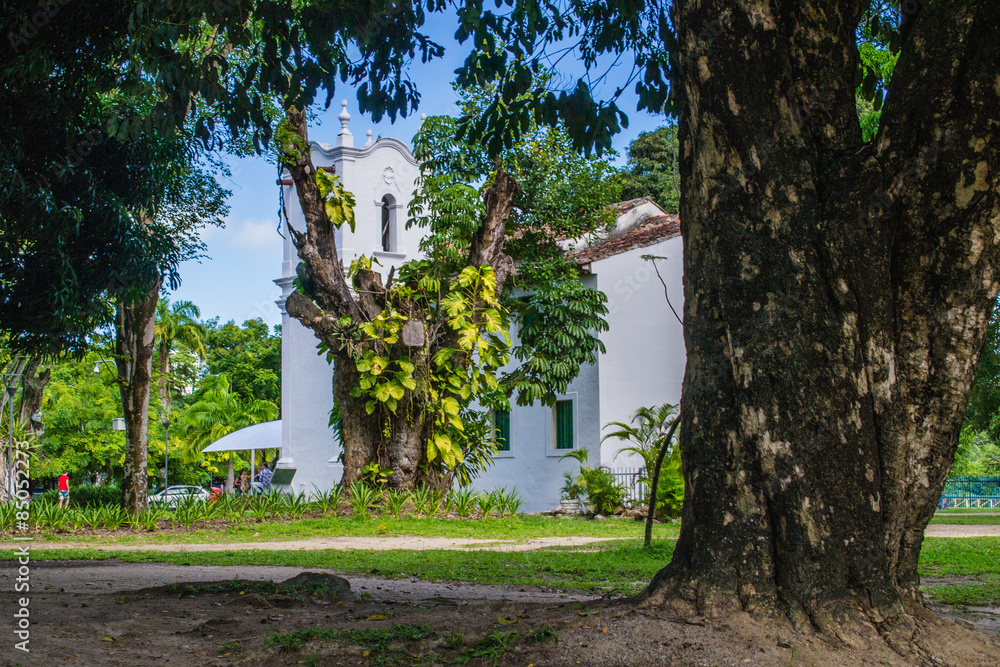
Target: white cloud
column 253, row 235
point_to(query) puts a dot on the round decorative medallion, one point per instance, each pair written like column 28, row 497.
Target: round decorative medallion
column 388, row 175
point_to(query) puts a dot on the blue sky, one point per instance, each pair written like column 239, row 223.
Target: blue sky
column 235, row 281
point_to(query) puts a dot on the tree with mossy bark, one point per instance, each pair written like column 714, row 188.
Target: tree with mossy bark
column 418, row 359
column 837, row 294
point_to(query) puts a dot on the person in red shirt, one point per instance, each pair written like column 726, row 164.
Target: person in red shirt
column 64, row 490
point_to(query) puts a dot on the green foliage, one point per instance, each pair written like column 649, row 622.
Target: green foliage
column 395, row 501
column 249, row 355
column 218, row 413
column 361, row 497
column 486, row 503
column 563, row 196
column 89, row 495
column 509, row 502
column 595, row 485
column 375, row 475
column 652, row 169
column 978, row 454
column 338, row 202
column 878, row 64
column 460, row 369
column 984, row 400
column 647, row 431
column 464, row 501
column 603, row 492
column 79, row 405
column 561, row 319
column 378, row 641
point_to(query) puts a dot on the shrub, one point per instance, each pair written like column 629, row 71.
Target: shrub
column 603, row 492
column 597, row 485
column 648, row 431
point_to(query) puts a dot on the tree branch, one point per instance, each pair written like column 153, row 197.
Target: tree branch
column 487, row 244
column 317, row 247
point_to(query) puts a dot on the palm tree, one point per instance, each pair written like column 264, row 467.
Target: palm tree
column 219, row 412
column 648, row 432
column 176, row 322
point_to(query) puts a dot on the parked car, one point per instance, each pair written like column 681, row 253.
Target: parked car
column 215, row 493
column 174, row 495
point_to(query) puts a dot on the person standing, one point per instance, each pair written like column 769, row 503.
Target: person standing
column 264, row 475
column 64, row 490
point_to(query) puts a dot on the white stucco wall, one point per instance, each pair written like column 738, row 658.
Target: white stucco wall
column 532, row 464
column 645, row 358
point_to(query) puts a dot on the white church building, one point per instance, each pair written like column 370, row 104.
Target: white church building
column 643, row 364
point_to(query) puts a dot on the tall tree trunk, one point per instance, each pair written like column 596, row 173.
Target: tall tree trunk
column 134, row 329
column 164, row 372
column 230, row 477
column 836, row 302
column 33, row 385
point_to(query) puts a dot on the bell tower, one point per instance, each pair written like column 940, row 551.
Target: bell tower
column 381, row 175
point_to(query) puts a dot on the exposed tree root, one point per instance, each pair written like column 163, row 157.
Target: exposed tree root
column 911, row 632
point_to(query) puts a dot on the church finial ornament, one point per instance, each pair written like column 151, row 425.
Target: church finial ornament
column 345, row 138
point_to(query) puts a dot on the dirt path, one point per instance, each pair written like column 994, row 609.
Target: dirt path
column 110, row 613
column 409, row 543
column 955, row 530
column 105, row 577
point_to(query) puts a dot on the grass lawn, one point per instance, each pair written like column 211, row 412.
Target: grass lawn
column 966, row 519
column 620, row 565
column 977, row 558
column 615, row 566
column 513, row 528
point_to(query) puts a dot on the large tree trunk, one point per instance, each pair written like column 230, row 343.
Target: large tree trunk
column 836, row 302
column 134, row 329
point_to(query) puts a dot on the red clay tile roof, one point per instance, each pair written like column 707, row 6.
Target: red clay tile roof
column 650, row 231
column 626, row 206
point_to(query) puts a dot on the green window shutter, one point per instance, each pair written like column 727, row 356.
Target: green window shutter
column 501, row 422
column 564, row 424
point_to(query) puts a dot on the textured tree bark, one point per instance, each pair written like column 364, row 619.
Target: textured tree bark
column 836, row 302
column 164, row 373
column 395, row 441
column 33, row 385
column 134, row 333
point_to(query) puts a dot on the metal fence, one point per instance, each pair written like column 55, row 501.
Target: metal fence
column 971, row 492
column 959, row 492
column 628, row 479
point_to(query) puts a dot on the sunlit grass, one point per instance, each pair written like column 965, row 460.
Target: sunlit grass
column 512, row 528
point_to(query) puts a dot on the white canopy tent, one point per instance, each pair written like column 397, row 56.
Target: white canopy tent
column 258, row 436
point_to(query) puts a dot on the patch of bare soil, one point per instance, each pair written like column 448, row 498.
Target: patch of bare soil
column 112, row 613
